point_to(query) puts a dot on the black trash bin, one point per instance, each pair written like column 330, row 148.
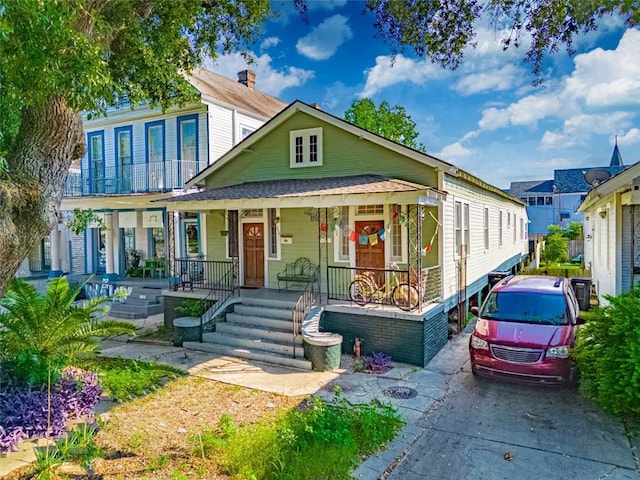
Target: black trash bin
column 496, row 276
column 582, row 288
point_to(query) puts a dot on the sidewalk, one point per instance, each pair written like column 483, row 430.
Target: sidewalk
column 418, row 389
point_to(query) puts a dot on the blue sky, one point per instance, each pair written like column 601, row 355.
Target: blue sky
column 486, row 117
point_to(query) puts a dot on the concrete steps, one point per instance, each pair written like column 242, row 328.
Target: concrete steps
column 258, row 329
column 141, row 303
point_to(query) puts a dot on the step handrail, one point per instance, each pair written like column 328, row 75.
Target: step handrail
column 227, row 284
column 307, row 299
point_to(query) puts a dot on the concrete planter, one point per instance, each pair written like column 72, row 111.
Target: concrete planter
column 186, row 329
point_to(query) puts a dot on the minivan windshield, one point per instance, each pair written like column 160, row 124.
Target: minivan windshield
column 525, row 307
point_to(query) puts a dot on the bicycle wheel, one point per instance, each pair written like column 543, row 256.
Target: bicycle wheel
column 405, row 297
column 360, row 292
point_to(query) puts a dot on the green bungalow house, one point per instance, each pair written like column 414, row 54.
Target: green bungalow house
column 390, row 244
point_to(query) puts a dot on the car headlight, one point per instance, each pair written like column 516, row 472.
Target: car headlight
column 479, row 343
column 558, row 352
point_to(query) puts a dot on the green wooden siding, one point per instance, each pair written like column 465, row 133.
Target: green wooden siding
column 216, row 243
column 343, row 154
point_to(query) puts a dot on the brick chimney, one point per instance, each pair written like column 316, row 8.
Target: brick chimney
column 247, row 78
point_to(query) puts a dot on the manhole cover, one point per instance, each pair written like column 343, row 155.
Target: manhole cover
column 400, row 392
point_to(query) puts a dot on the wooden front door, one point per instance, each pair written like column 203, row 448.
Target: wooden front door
column 253, row 249
column 370, row 255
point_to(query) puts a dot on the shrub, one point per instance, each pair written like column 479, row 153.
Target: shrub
column 377, row 362
column 39, row 334
column 191, row 307
column 32, row 411
column 607, row 354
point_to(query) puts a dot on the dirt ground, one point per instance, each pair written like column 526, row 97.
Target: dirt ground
column 149, row 438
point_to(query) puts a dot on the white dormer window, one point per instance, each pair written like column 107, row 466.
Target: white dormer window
column 305, row 147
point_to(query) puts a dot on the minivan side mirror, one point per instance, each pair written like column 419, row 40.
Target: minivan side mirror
column 474, row 310
column 580, row 321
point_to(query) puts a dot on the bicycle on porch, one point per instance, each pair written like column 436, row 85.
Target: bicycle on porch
column 364, row 289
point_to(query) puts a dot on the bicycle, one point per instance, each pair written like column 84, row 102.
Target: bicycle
column 364, row 288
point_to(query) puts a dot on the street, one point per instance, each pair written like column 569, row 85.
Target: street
column 486, row 429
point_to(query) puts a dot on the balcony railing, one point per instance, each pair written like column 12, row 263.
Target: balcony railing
column 135, row 178
column 341, row 278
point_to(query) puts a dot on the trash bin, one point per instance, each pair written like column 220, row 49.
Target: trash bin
column 582, row 288
column 496, row 276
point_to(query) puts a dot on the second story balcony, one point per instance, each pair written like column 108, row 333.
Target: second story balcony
column 150, row 177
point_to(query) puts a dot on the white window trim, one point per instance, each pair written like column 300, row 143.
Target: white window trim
column 388, row 214
column 337, row 239
column 305, row 134
column 486, row 233
column 278, row 241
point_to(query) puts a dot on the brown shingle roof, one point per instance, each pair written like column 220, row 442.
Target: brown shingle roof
column 234, row 93
column 303, row 187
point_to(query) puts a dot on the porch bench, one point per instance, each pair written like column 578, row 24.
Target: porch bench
column 300, row 271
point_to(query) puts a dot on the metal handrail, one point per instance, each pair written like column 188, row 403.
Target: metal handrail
column 307, row 299
column 228, row 280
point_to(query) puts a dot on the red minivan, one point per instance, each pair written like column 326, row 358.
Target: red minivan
column 525, row 330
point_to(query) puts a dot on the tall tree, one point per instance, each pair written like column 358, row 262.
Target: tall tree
column 393, row 123
column 59, row 58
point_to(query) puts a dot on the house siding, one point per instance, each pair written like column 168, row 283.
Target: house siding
column 480, row 261
column 343, row 154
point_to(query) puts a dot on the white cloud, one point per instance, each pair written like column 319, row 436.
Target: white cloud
column 269, row 42
column 324, row 40
column 389, row 71
column 502, row 78
column 577, row 128
column 268, row 79
column 632, row 136
column 453, row 151
column 525, row 112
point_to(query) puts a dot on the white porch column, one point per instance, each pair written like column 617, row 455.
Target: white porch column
column 55, row 253
column 24, row 270
column 109, row 266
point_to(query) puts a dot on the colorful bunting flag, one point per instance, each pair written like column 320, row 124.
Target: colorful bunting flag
column 382, row 234
column 373, row 239
column 364, row 239
column 353, row 236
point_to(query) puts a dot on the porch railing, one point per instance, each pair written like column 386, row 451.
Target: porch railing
column 134, row 178
column 339, row 279
column 308, row 298
column 206, row 274
column 222, row 289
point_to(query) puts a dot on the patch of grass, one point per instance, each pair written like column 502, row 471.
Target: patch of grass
column 124, row 379
column 158, row 333
column 158, row 463
column 321, row 441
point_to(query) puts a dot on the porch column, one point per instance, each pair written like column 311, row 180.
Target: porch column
column 24, row 270
column 109, row 263
column 173, row 219
column 55, row 253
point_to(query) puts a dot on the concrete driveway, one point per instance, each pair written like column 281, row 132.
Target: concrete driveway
column 486, row 429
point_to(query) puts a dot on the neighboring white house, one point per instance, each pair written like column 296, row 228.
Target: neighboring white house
column 612, row 232
column 137, row 154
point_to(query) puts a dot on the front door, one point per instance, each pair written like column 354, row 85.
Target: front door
column 253, row 249
column 370, row 254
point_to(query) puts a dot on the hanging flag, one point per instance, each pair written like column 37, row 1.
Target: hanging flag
column 395, row 214
column 364, row 239
column 341, row 223
column 373, row 239
column 402, row 219
column 430, row 244
column 332, row 225
column 353, row 236
column 382, row 234
column 323, row 227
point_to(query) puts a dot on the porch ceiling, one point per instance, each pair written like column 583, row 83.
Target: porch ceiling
column 307, row 192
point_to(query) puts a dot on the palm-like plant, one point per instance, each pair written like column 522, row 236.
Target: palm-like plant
column 40, row 332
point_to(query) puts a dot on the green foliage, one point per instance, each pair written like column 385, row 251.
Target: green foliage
column 608, row 354
column 82, row 219
column 441, row 31
column 124, row 379
column 555, row 248
column 322, row 441
column 38, row 330
column 191, row 307
column 393, row 123
column 572, row 232
column 79, row 445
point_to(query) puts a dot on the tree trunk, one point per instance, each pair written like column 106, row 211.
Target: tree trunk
column 49, row 139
